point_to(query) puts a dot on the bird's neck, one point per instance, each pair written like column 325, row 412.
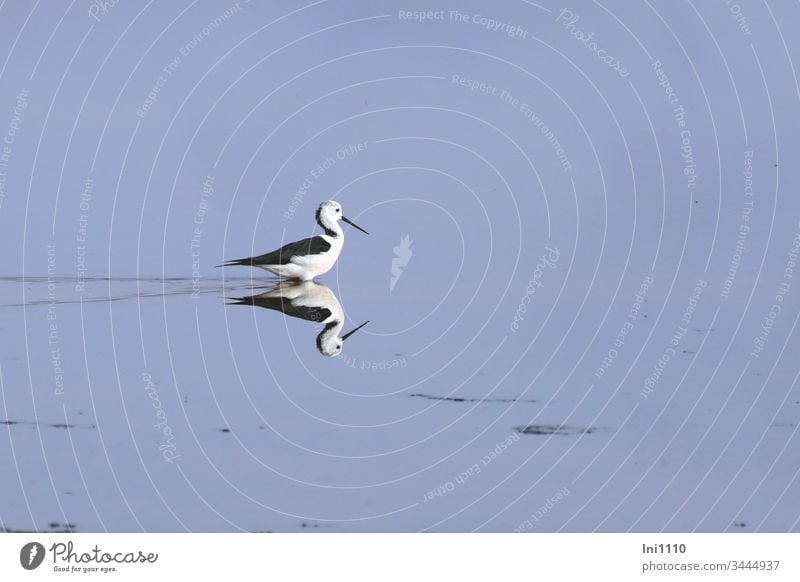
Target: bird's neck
column 332, row 230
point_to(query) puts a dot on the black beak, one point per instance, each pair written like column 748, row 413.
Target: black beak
column 348, row 334
column 354, row 225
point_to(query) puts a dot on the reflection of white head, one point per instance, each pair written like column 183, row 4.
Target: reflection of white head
column 328, row 341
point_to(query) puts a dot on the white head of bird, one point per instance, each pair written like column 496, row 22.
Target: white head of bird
column 329, row 214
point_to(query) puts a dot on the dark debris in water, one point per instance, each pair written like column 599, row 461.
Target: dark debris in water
column 460, row 399
column 53, row 527
column 554, row 429
column 43, row 424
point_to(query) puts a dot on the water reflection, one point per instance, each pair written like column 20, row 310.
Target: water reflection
column 307, row 300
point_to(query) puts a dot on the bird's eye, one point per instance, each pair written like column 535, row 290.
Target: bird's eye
column 338, row 210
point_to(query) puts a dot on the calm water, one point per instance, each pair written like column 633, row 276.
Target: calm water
column 580, row 278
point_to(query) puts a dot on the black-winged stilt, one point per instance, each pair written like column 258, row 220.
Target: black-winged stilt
column 310, row 257
column 311, row 301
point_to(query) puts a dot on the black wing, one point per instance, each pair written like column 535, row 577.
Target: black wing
column 286, row 306
column 308, row 246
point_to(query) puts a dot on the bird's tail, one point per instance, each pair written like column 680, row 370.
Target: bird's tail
column 241, row 300
column 276, row 303
column 236, row 262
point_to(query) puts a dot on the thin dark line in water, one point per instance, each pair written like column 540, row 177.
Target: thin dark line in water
column 53, row 425
column 53, row 527
column 555, row 429
column 109, row 299
column 222, row 289
column 459, row 399
column 71, row 279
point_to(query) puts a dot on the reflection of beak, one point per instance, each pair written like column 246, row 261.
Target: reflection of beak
column 354, row 225
column 348, row 334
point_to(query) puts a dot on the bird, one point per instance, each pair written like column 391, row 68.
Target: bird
column 307, row 300
column 310, row 257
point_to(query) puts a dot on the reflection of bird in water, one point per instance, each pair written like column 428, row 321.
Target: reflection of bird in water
column 311, row 301
column 307, row 258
